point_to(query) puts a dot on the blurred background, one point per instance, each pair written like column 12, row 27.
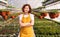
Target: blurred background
column 47, row 17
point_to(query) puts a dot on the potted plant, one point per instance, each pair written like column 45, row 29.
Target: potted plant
column 41, row 17
column 53, row 14
column 13, row 17
column 3, row 13
column 5, row 17
column 7, row 12
column 44, row 14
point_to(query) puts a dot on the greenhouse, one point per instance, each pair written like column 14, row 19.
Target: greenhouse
column 46, row 17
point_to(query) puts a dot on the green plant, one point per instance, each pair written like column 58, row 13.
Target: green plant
column 54, row 11
column 53, row 14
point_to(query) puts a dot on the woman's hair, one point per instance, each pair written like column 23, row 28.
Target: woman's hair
column 25, row 6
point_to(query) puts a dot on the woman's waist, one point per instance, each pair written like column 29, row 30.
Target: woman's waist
column 27, row 27
column 26, row 21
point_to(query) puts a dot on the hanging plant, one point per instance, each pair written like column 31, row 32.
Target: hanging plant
column 3, row 13
column 12, row 17
column 5, row 17
column 53, row 14
column 41, row 17
column 44, row 14
column 7, row 12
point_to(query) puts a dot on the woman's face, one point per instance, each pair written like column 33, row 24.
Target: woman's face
column 26, row 9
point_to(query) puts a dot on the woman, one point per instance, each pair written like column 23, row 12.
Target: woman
column 26, row 21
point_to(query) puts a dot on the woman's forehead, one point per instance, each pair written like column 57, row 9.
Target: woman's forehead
column 27, row 6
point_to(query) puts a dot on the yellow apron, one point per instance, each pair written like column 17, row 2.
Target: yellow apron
column 26, row 31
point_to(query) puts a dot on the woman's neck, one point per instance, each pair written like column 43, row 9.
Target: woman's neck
column 26, row 13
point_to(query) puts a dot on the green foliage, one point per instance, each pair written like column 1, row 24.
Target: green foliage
column 54, row 11
column 4, row 10
column 10, row 6
column 46, row 27
column 5, row 0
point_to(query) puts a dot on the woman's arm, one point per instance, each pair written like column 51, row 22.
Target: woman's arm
column 22, row 24
column 27, row 24
column 32, row 20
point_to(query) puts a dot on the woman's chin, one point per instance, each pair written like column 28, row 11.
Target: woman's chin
column 26, row 12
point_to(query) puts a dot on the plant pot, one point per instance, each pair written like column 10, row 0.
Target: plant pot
column 57, row 15
column 53, row 15
column 44, row 14
column 7, row 13
column 5, row 17
column 3, row 13
column 41, row 17
column 12, row 17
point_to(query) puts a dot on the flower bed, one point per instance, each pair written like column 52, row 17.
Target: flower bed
column 46, row 27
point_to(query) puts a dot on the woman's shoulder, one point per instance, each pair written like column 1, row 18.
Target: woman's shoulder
column 31, row 14
column 20, row 15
